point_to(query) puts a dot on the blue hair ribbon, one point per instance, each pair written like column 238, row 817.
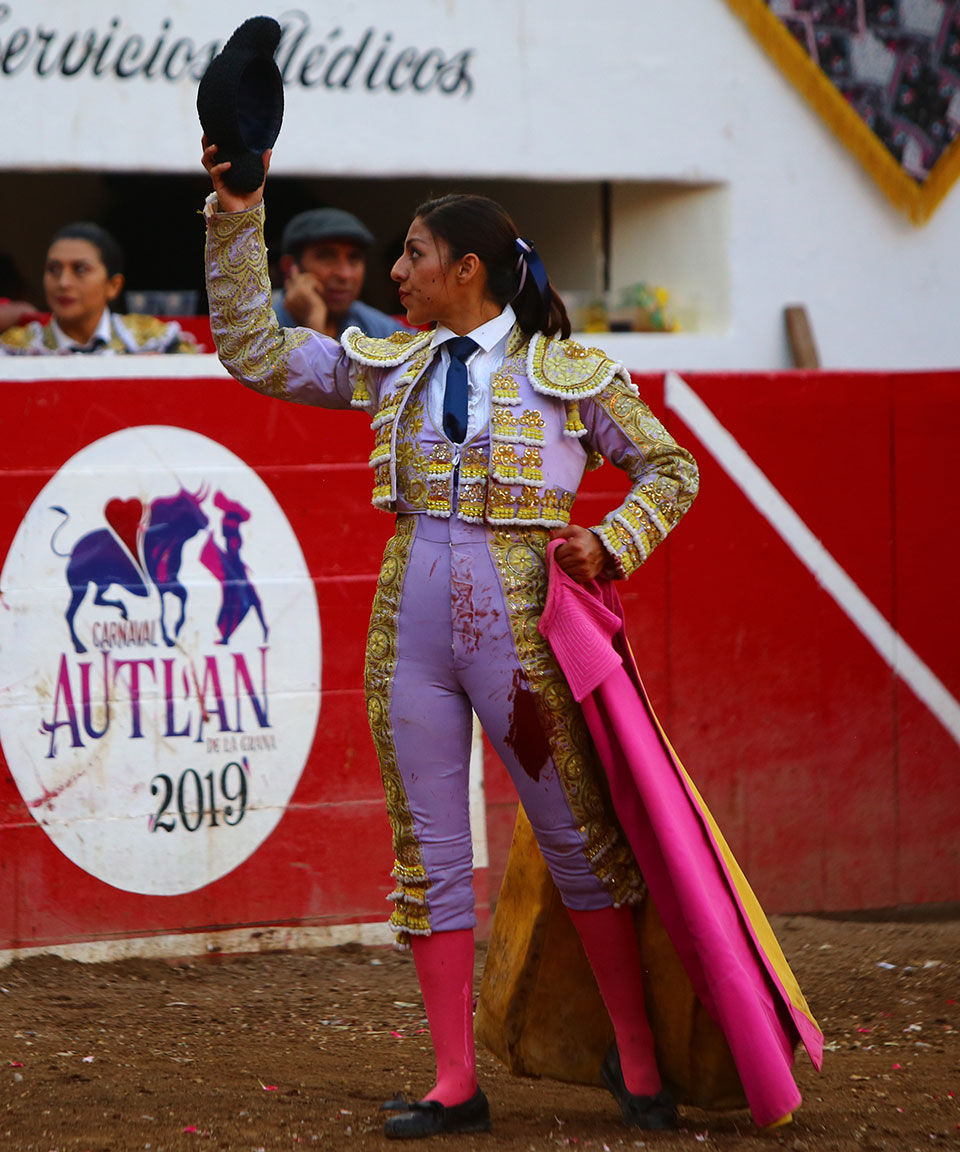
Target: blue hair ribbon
column 529, row 261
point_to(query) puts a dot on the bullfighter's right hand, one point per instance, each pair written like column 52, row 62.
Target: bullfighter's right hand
column 232, row 201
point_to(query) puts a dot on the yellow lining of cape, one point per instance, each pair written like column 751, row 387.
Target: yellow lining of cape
column 918, row 201
column 766, row 938
column 751, row 905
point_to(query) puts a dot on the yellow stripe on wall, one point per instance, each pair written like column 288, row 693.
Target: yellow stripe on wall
column 918, row 201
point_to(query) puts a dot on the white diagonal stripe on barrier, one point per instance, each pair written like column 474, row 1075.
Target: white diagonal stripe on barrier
column 894, row 650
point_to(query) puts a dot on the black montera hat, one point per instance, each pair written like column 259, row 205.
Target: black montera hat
column 240, row 101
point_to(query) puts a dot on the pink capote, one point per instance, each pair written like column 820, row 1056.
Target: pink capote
column 707, row 907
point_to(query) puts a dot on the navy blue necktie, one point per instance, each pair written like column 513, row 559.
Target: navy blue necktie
column 455, row 393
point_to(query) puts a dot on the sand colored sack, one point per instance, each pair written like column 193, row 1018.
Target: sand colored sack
column 540, row 1011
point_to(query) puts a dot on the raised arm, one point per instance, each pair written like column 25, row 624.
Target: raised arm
column 291, row 363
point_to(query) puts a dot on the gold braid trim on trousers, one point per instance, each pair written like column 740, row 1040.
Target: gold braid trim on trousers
column 410, row 914
column 520, row 560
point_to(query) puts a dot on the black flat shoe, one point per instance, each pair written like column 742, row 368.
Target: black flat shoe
column 658, row 1111
column 431, row 1118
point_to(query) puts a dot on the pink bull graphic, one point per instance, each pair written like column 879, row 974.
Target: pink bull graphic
column 239, row 594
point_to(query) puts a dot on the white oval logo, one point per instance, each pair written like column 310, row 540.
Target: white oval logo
column 159, row 660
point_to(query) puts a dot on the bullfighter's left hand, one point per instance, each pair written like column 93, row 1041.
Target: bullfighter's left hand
column 581, row 555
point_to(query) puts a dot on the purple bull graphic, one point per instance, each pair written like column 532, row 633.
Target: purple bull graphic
column 135, row 546
column 141, row 547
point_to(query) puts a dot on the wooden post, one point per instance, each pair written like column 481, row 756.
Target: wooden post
column 803, row 347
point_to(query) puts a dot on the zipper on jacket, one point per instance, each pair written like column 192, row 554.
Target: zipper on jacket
column 455, row 480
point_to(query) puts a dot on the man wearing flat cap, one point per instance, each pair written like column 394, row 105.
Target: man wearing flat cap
column 323, row 260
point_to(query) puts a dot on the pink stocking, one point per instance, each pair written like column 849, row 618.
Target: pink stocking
column 444, row 962
column 610, row 942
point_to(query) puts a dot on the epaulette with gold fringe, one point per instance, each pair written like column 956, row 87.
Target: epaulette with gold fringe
column 19, row 337
column 144, row 328
column 567, row 369
column 383, row 351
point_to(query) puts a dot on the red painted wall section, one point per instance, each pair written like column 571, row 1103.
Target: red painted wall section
column 835, row 785
column 925, row 501
column 785, row 706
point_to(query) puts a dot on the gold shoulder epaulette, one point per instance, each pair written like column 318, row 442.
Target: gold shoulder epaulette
column 565, row 368
column 143, row 328
column 19, row 337
column 383, row 351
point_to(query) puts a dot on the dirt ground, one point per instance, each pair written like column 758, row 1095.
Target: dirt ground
column 291, row 1051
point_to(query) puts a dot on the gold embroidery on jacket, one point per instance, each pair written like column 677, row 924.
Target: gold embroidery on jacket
column 389, row 406
column 664, row 476
column 383, row 351
column 574, row 425
column 143, row 328
column 504, row 465
column 530, row 427
column 473, row 464
column 509, row 483
column 516, row 461
column 471, row 503
column 440, row 477
column 557, row 504
column 239, row 297
column 381, row 445
column 531, row 467
column 528, row 506
column 381, row 485
column 501, row 504
column 503, row 424
column 415, row 366
column 438, row 498
column 566, row 369
column 20, row 336
column 411, row 463
column 504, row 389
column 361, row 397
column 441, row 461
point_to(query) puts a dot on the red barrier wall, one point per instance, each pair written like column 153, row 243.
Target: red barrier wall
column 836, row 785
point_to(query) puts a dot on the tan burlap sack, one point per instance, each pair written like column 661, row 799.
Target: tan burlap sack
column 540, row 1010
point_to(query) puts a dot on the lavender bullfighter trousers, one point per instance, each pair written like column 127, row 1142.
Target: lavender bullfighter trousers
column 442, row 644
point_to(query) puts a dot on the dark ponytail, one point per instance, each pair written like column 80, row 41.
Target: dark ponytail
column 469, row 223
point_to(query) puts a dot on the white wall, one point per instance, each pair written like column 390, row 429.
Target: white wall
column 625, row 92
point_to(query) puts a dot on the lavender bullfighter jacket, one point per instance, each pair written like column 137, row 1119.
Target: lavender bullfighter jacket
column 557, row 408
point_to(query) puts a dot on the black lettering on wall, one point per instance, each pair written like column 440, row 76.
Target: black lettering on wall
column 370, row 60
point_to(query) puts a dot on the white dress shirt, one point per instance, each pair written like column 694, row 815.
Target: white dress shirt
column 103, row 334
column 481, row 365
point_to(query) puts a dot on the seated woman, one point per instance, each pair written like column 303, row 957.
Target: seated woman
column 82, row 277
